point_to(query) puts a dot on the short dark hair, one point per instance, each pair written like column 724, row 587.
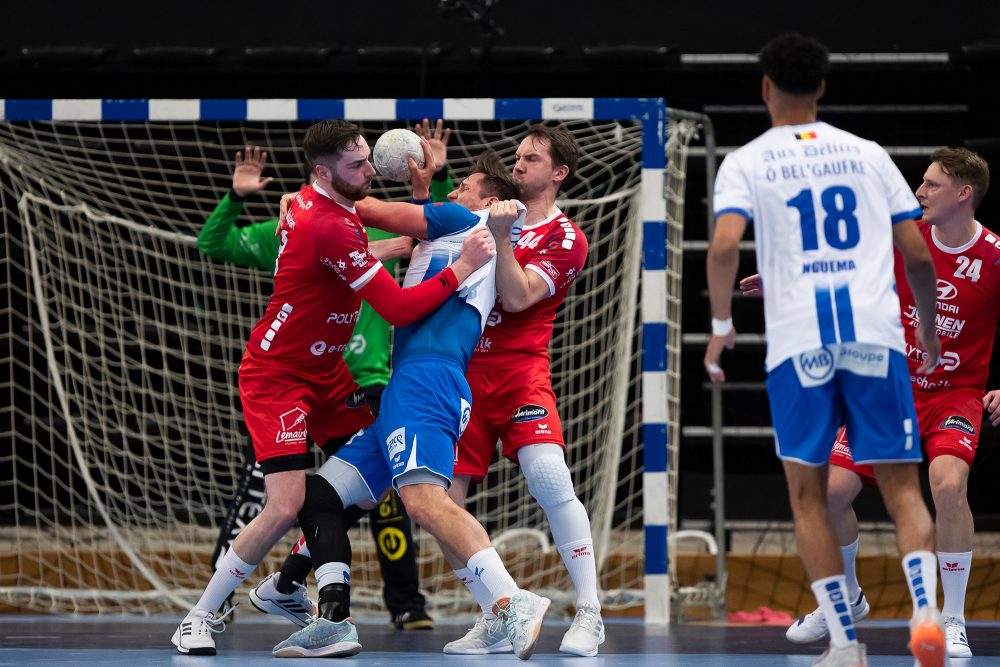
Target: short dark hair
column 965, row 167
column 563, row 148
column 307, row 172
column 328, row 137
column 795, row 63
column 497, row 181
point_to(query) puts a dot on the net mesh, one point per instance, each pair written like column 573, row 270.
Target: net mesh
column 123, row 417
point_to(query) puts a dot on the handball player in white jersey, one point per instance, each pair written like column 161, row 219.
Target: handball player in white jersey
column 827, row 208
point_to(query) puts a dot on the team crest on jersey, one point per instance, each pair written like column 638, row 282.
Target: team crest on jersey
column 529, row 413
column 958, row 423
column 356, row 400
column 293, row 427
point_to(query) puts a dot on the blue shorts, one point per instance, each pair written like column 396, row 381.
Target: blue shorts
column 424, row 410
column 865, row 387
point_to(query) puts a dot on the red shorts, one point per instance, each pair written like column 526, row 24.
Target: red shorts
column 949, row 424
column 281, row 408
column 516, row 406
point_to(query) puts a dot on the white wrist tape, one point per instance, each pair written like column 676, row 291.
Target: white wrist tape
column 722, row 327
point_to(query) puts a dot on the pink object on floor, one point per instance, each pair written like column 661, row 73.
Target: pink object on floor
column 763, row 615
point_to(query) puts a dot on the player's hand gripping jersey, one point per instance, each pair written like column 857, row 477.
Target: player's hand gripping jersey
column 968, row 306
column 555, row 249
column 814, row 192
column 310, row 318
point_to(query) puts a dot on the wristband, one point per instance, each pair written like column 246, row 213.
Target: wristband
column 722, row 327
column 235, row 197
column 441, row 174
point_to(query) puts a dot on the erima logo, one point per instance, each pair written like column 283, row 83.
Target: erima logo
column 959, row 424
column 952, row 567
column 945, row 290
column 580, row 553
column 528, row 413
column 479, row 571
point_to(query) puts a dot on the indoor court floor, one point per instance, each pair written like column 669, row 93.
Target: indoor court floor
column 145, row 642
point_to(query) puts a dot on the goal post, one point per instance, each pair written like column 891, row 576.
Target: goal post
column 123, row 415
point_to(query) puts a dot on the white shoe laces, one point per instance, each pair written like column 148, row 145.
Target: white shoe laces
column 586, row 619
column 953, row 629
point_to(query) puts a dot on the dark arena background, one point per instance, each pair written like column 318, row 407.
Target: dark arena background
column 121, row 437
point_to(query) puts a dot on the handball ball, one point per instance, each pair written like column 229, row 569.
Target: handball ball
column 391, row 151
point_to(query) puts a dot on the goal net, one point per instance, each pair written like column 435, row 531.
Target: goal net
column 122, row 427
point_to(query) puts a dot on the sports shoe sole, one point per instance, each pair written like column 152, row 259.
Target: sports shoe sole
column 268, row 607
column 503, row 646
column 576, row 650
column 927, row 644
column 529, row 648
column 338, row 650
column 202, row 650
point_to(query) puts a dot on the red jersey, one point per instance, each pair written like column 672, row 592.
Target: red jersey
column 322, row 261
column 968, row 306
column 556, row 250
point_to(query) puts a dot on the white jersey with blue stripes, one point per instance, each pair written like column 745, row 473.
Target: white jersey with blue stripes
column 453, row 329
column 823, row 202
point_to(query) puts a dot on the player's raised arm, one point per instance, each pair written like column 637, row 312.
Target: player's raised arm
column 397, row 217
column 923, row 283
column 722, row 264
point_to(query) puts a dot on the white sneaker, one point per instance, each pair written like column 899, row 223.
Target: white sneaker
column 843, row 656
column 522, row 616
column 194, row 635
column 585, row 634
column 295, row 606
column 486, row 636
column 956, row 641
column 812, row 627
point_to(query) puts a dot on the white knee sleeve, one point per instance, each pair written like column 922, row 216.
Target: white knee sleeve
column 548, row 479
column 347, row 482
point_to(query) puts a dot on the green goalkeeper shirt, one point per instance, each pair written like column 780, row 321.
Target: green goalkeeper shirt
column 255, row 245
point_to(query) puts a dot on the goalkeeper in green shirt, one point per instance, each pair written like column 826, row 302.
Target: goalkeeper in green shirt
column 367, row 357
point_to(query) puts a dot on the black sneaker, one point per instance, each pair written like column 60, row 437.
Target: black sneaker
column 416, row 619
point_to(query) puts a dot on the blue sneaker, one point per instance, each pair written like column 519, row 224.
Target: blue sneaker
column 321, row 639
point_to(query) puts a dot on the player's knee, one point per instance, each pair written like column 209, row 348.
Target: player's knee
column 549, row 481
column 321, row 503
column 948, row 492
column 421, row 497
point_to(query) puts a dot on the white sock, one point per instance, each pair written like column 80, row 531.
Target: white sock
column 954, row 569
column 920, row 570
column 486, row 566
column 333, row 573
column 478, row 590
column 850, row 555
column 578, row 557
column 831, row 593
column 229, row 575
